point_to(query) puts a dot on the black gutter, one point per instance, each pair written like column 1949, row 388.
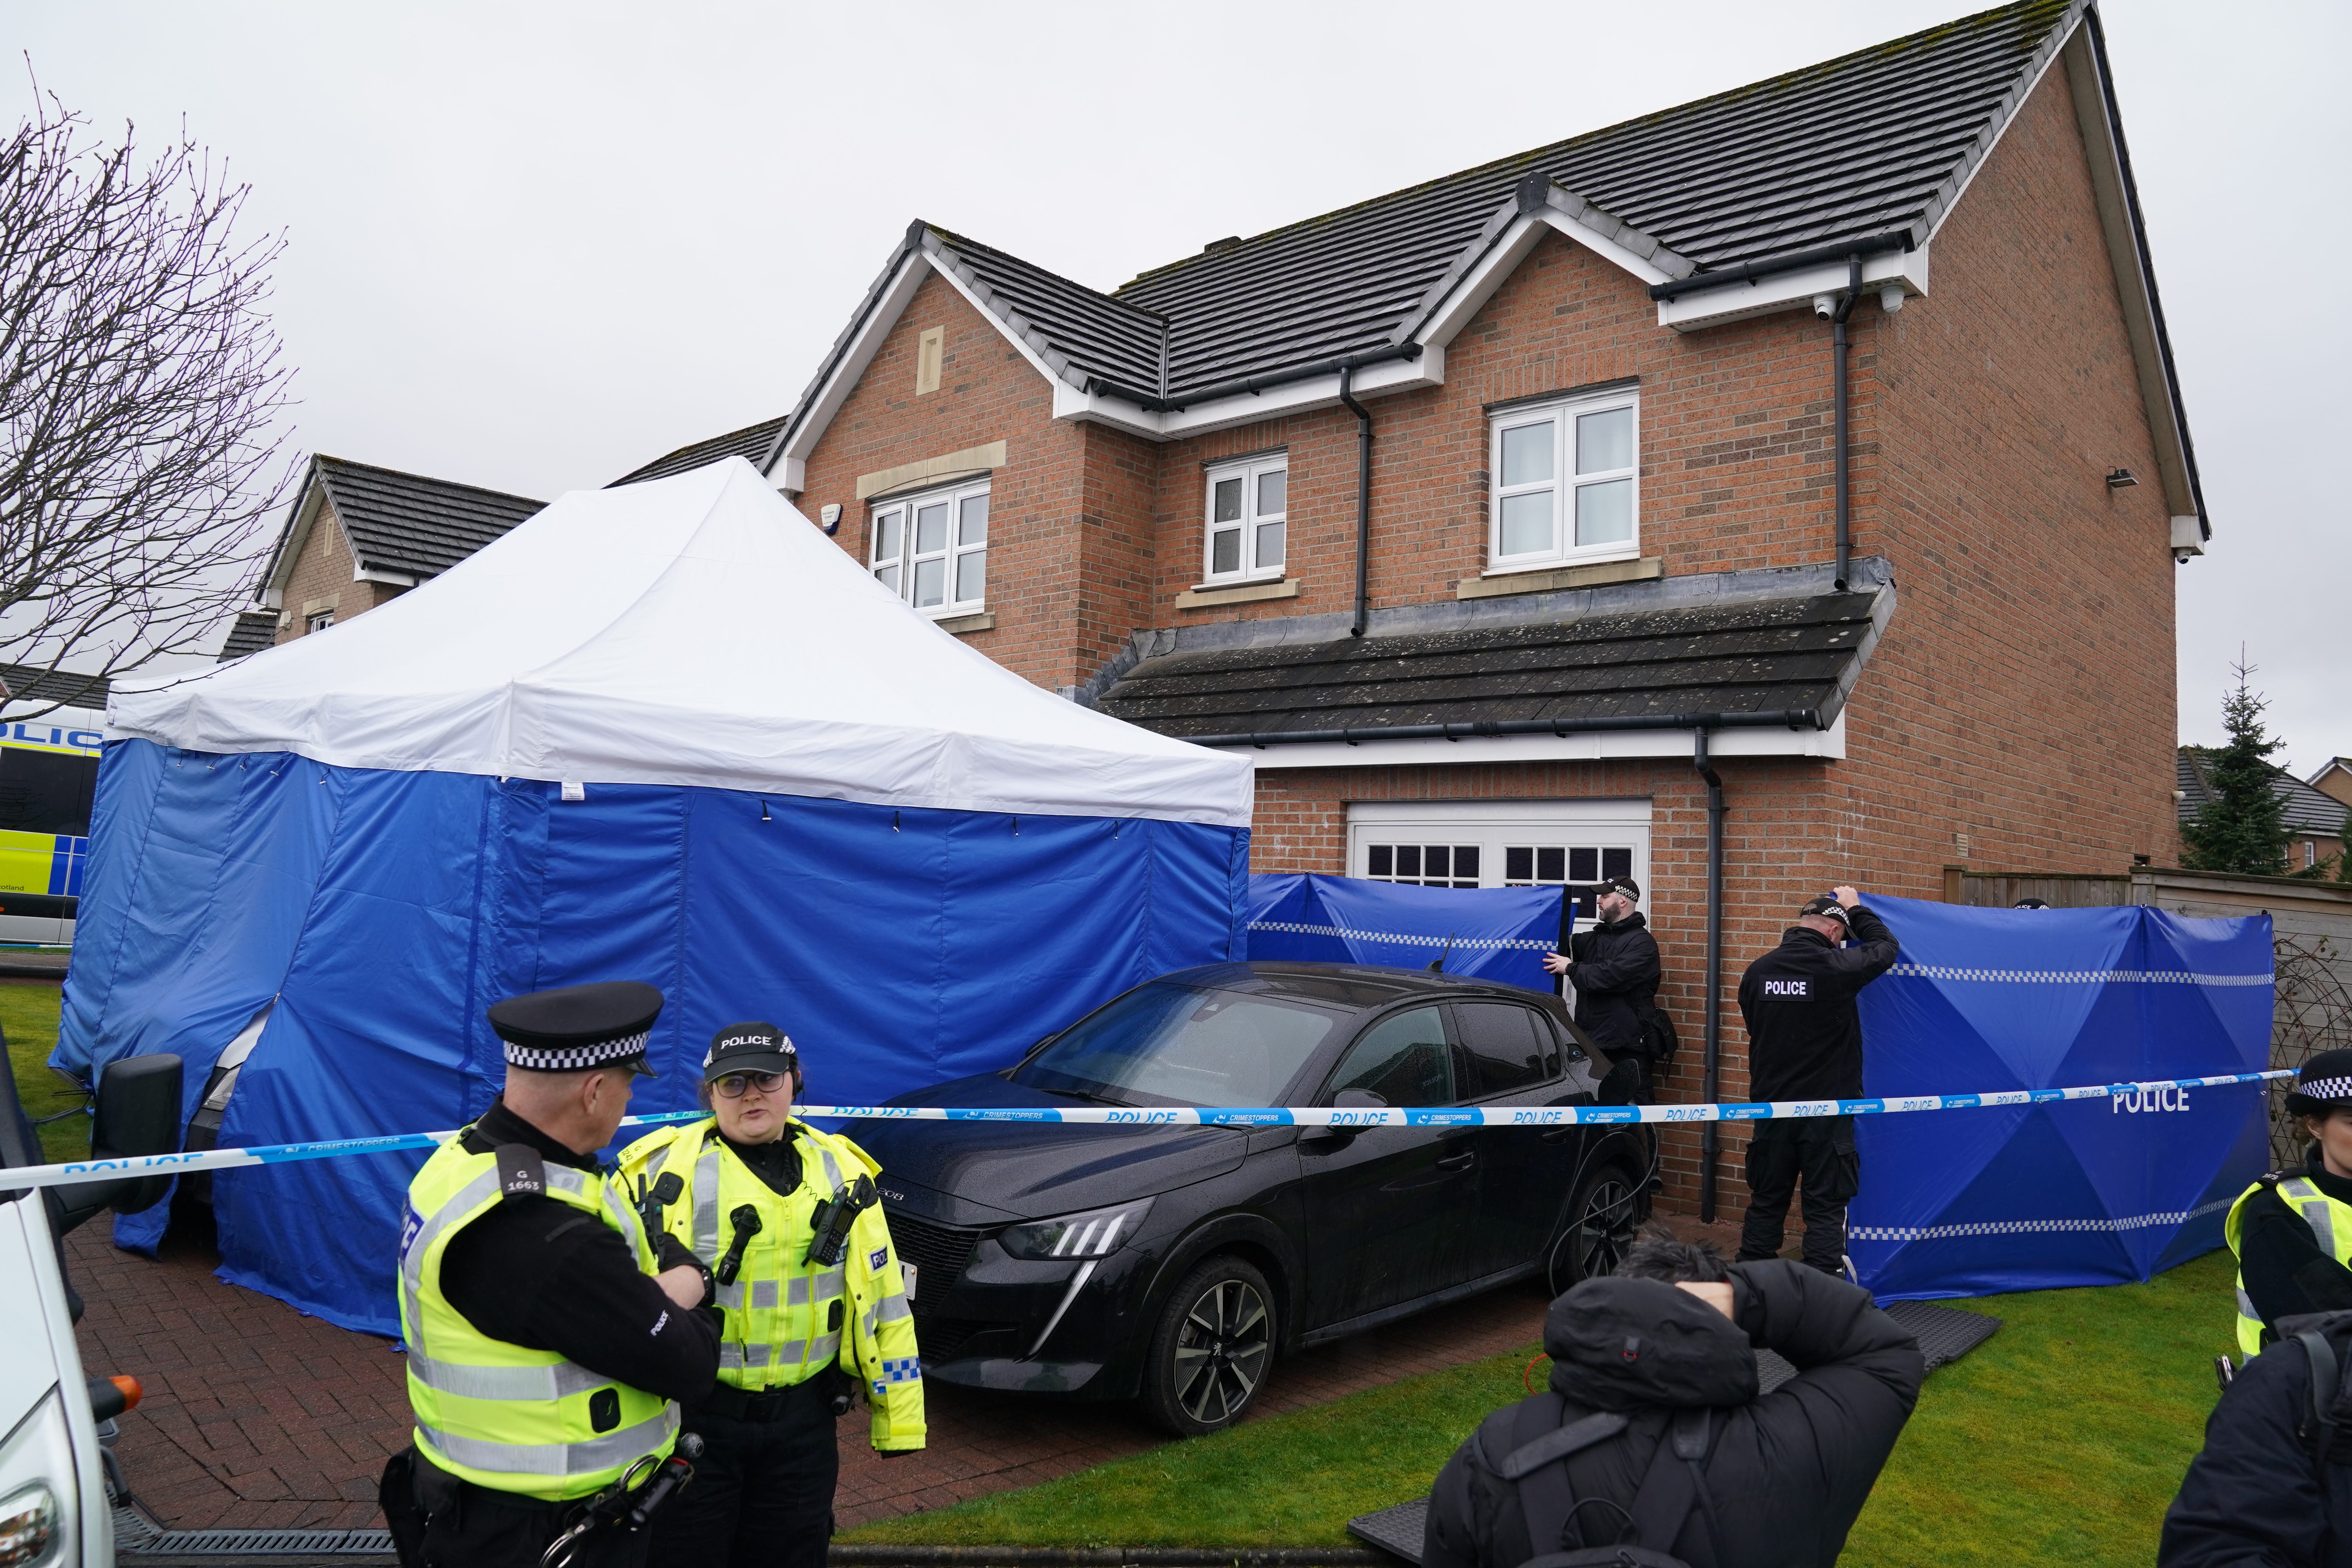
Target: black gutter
column 1783, row 718
column 1711, row 1088
column 1753, row 271
column 1151, row 402
column 1363, row 499
column 1840, row 395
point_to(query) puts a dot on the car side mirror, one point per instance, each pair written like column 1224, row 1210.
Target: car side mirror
column 138, row 1113
column 1339, row 1137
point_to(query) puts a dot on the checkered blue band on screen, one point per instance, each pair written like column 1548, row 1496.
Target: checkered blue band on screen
column 2325, row 1089
column 578, row 1058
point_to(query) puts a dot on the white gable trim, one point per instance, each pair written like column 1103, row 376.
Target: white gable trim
column 789, row 469
column 297, row 536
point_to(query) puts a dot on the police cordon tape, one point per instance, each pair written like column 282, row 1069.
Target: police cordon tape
column 1348, row 1117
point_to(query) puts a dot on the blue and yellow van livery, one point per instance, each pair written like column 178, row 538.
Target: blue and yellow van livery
column 48, row 776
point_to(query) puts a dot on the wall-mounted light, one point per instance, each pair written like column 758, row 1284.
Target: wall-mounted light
column 2122, row 478
column 1891, row 297
column 829, row 514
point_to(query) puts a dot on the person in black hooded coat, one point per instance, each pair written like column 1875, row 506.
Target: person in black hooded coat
column 1788, row 1472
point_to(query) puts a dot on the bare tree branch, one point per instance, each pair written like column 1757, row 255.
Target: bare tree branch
column 140, row 446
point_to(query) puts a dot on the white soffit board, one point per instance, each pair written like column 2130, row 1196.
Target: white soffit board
column 1249, row 408
column 1789, row 290
column 1594, row 745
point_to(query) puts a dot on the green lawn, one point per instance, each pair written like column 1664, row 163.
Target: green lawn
column 29, row 1013
column 2060, row 1439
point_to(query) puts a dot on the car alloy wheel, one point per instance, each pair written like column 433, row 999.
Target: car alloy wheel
column 1214, row 1344
column 1598, row 1233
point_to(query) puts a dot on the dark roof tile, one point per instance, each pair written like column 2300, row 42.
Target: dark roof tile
column 412, row 524
column 253, row 631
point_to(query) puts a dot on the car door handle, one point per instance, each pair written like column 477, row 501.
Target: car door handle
column 1560, row 1134
column 1462, row 1161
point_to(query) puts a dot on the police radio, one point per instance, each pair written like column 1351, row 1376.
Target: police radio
column 829, row 1225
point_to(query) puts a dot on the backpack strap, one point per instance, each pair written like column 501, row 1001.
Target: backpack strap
column 1676, row 1483
column 1537, row 1466
column 2325, row 1388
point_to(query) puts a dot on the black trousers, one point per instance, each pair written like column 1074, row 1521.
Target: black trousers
column 763, row 1490
column 1818, row 1150
column 438, row 1521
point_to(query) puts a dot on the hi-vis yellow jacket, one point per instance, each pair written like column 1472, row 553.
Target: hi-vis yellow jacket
column 2331, row 1227
column 502, row 1416
column 787, row 1319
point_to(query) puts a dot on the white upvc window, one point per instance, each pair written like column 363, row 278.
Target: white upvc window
column 1567, row 483
column 1249, row 512
column 931, row 550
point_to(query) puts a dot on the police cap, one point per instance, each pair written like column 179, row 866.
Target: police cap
column 579, row 1027
column 1825, row 908
column 2326, row 1080
column 751, row 1047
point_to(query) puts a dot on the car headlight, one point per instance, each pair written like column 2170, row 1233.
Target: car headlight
column 28, row 1526
column 1095, row 1233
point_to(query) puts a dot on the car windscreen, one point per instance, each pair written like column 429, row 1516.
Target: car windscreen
column 1178, row 1044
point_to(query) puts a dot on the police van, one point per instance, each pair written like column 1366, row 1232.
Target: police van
column 56, row 1494
column 48, row 779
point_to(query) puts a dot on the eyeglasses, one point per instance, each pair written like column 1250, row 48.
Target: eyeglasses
column 736, row 1084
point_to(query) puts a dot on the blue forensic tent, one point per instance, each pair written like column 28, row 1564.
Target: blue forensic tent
column 667, row 732
column 2086, row 1192
column 1486, row 933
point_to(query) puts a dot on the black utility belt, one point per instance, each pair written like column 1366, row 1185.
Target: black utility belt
column 813, row 1393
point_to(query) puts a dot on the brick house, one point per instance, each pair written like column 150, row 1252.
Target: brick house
column 1502, row 517
column 2314, row 818
column 357, row 536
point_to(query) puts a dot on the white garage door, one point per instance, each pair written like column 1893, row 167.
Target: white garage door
column 1500, row 844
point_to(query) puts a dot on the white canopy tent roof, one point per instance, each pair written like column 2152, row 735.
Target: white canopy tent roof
column 693, row 630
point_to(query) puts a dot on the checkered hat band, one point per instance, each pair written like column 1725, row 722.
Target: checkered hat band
column 2325, row 1088
column 578, row 1058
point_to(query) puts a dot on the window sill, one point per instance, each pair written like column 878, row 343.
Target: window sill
column 1206, row 597
column 972, row 621
column 1540, row 580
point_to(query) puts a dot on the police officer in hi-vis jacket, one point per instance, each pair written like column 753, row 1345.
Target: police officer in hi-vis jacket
column 550, row 1336
column 2292, row 1230
column 787, row 1219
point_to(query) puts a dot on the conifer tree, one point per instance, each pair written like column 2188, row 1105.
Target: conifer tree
column 2242, row 827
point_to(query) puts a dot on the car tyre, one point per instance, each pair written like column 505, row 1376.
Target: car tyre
column 1212, row 1349
column 1597, row 1232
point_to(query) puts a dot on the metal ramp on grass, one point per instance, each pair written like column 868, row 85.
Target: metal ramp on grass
column 1945, row 1334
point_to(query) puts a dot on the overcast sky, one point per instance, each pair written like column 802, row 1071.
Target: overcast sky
column 533, row 247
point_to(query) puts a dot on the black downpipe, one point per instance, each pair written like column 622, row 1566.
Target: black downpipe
column 1711, row 1093
column 1364, row 498
column 1844, row 418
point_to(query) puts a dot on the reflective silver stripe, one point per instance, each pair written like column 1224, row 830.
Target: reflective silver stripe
column 763, row 1295
column 815, row 1352
column 412, row 1262
column 706, row 1205
column 2316, row 1213
column 607, row 1452
column 832, row 1170
column 730, row 1296
column 895, row 1308
column 536, row 1384
column 2246, row 1305
column 808, row 1290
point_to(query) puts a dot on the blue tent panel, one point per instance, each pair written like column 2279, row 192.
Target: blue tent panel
column 2088, row 1192
column 383, row 912
column 1487, row 933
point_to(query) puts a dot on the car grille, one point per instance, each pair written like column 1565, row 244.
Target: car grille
column 939, row 1251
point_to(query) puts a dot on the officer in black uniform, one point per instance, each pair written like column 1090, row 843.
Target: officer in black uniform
column 1613, row 969
column 1805, row 1042
column 517, row 1271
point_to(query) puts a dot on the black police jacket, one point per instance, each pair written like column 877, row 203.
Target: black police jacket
column 1616, row 980
column 1804, row 1033
column 1789, row 1471
column 2254, row 1497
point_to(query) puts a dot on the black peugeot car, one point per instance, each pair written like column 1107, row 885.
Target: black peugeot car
column 1175, row 1263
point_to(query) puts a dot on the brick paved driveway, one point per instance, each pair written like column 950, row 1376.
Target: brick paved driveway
column 257, row 1417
